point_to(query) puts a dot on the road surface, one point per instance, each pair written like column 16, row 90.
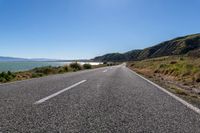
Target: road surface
column 108, row 100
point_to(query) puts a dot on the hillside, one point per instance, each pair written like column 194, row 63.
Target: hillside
column 189, row 45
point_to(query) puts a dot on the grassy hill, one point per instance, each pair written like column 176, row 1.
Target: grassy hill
column 189, row 45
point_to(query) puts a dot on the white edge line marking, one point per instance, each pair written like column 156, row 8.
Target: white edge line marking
column 190, row 106
column 59, row 92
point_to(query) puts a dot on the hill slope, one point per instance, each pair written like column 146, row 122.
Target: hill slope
column 189, row 44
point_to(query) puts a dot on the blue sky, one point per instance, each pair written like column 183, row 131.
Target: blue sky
column 74, row 29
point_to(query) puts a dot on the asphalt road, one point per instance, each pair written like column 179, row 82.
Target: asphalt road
column 108, row 100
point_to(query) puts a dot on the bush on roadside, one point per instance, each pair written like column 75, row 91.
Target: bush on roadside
column 75, row 66
column 36, row 75
column 87, row 66
column 5, row 77
column 66, row 68
column 46, row 70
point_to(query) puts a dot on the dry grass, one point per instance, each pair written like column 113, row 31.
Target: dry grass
column 184, row 69
column 180, row 75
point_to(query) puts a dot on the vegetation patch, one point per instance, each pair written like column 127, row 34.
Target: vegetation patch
column 75, row 66
column 185, row 69
column 179, row 74
column 6, row 76
column 179, row 91
column 44, row 71
column 87, row 66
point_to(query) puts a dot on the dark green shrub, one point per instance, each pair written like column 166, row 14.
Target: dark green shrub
column 4, row 77
column 75, row 66
column 87, row 66
column 3, row 74
column 45, row 70
column 66, row 68
column 9, row 73
column 36, row 75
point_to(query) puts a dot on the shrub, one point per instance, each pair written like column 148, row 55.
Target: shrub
column 4, row 77
column 87, row 66
column 66, row 68
column 45, row 70
column 36, row 75
column 9, row 73
column 3, row 74
column 75, row 66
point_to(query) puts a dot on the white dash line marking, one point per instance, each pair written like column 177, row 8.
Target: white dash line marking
column 59, row 92
column 105, row 71
column 190, row 106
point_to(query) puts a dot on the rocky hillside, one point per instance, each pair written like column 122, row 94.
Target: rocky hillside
column 189, row 45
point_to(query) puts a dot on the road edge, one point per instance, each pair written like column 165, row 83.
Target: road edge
column 188, row 105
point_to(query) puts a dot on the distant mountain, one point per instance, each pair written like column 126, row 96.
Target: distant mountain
column 42, row 59
column 12, row 59
column 2, row 58
column 189, row 45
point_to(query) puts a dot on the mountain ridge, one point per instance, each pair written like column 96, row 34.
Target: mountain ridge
column 189, row 44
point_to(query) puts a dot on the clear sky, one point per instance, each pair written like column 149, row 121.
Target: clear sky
column 72, row 29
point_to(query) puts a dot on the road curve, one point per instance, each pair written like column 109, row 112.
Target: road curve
column 111, row 99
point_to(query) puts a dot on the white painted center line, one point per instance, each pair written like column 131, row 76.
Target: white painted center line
column 105, row 71
column 59, row 92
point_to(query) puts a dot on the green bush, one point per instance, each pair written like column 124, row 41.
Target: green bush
column 87, row 66
column 4, row 77
column 36, row 75
column 66, row 68
column 45, row 70
column 75, row 66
